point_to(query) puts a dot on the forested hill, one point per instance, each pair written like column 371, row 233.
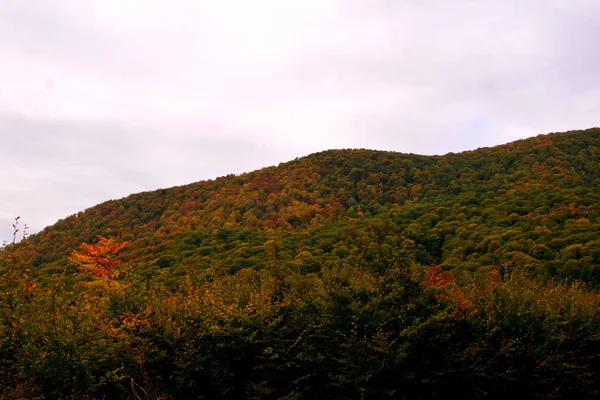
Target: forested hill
column 533, row 201
column 350, row 274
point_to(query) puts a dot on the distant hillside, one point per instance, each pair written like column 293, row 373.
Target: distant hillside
column 346, row 274
column 533, row 201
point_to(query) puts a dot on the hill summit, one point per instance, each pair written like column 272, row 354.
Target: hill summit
column 346, row 274
column 535, row 201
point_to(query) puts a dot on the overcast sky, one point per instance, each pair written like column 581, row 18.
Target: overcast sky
column 103, row 98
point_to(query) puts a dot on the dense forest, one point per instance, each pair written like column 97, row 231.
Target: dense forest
column 343, row 274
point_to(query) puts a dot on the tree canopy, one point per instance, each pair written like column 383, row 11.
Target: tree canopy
column 346, row 274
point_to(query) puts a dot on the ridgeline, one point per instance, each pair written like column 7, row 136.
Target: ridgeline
column 346, row 274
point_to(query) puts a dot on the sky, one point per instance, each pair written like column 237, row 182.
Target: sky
column 103, row 98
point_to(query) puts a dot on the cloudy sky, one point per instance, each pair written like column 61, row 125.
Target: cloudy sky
column 103, row 98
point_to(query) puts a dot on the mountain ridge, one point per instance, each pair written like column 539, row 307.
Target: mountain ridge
column 357, row 274
column 334, row 186
column 326, row 152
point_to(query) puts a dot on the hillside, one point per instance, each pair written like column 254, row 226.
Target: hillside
column 536, row 201
column 346, row 274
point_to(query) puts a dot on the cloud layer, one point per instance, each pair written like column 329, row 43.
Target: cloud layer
column 99, row 99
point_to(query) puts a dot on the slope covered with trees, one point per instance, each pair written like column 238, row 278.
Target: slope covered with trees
column 344, row 274
column 534, row 201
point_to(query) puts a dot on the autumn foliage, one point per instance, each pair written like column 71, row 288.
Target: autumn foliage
column 99, row 259
column 343, row 275
column 533, row 202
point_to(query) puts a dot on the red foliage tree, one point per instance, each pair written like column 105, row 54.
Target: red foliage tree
column 99, row 259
